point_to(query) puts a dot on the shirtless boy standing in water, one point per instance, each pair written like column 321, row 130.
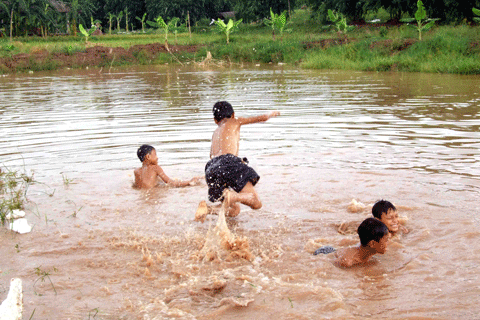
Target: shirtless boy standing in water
column 229, row 178
column 146, row 176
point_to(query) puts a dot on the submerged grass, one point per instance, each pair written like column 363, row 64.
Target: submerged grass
column 445, row 49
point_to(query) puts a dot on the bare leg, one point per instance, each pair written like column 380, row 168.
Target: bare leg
column 248, row 196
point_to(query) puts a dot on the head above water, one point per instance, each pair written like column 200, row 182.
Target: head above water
column 372, row 229
column 382, row 206
column 386, row 212
column 143, row 151
column 222, row 110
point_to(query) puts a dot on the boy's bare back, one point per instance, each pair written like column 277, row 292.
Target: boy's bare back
column 146, row 177
column 226, row 137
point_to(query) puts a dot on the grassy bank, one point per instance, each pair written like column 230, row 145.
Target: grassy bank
column 444, row 49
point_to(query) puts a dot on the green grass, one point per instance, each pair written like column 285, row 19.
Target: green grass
column 13, row 190
column 445, row 49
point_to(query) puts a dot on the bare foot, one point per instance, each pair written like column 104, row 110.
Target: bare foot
column 202, row 212
column 227, row 199
column 231, row 208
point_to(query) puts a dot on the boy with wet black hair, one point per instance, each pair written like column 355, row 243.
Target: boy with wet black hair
column 386, row 212
column 146, row 176
column 374, row 236
column 229, row 178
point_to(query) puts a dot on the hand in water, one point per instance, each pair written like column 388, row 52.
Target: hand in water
column 274, row 114
column 195, row 181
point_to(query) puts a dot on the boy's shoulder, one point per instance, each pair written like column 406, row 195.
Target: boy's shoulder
column 148, row 168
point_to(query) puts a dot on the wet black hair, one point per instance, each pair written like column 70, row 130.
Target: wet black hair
column 382, row 206
column 371, row 229
column 222, row 110
column 143, row 151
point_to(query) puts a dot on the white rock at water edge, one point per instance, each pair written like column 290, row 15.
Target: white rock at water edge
column 12, row 307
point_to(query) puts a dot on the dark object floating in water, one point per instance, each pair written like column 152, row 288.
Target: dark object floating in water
column 324, row 250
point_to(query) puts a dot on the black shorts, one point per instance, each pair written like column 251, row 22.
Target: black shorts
column 227, row 171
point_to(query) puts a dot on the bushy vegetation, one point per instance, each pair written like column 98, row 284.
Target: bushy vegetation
column 445, row 50
column 374, row 47
column 50, row 17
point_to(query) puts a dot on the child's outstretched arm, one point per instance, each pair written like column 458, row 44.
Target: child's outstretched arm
column 174, row 182
column 184, row 183
column 256, row 119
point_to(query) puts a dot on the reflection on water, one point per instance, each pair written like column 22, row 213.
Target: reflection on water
column 409, row 138
column 93, row 122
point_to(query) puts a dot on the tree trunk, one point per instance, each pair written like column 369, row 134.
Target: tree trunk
column 74, row 27
column 189, row 26
column 11, row 25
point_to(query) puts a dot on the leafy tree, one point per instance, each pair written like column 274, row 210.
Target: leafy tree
column 34, row 16
column 14, row 9
column 254, row 10
column 451, row 11
column 80, row 12
column 49, row 20
column 477, row 13
column 134, row 8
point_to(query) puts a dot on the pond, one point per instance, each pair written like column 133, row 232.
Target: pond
column 100, row 249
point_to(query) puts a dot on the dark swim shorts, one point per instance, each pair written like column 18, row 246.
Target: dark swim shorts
column 324, row 250
column 227, row 171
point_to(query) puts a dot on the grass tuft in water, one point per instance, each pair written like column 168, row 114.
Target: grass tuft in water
column 13, row 191
column 42, row 276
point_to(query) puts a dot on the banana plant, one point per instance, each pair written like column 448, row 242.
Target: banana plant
column 477, row 13
column 227, row 28
column 126, row 19
column 95, row 23
column 110, row 17
column 119, row 18
column 277, row 22
column 340, row 21
column 86, row 33
column 142, row 20
column 159, row 23
column 176, row 28
column 423, row 23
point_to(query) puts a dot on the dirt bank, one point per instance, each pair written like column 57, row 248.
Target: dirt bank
column 94, row 56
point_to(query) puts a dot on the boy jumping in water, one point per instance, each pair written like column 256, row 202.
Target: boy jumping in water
column 229, row 178
column 146, row 176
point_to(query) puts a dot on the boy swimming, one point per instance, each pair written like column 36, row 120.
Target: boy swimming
column 146, row 176
column 374, row 236
column 386, row 212
column 229, row 178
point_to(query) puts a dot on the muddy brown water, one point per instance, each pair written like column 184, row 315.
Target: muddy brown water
column 100, row 249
